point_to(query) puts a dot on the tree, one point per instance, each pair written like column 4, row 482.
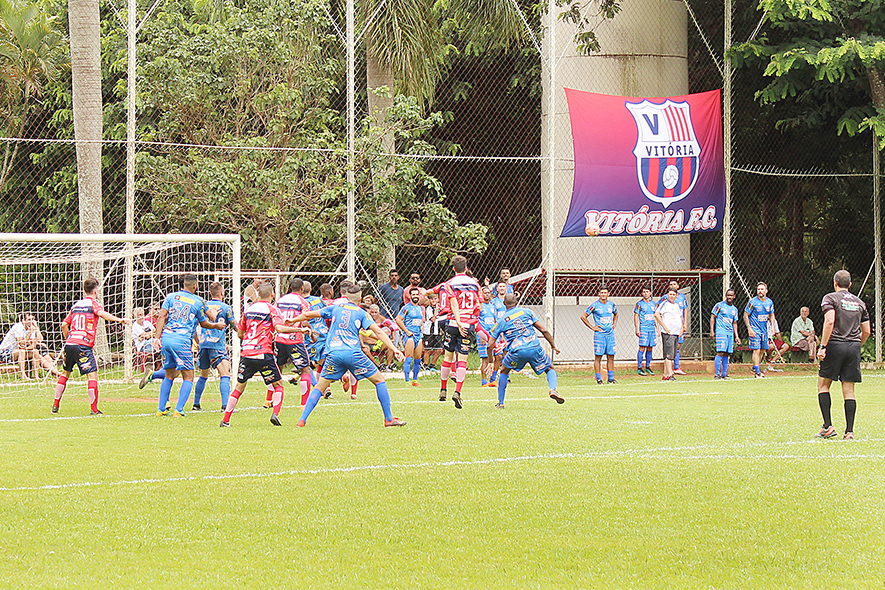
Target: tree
column 32, row 55
column 827, row 56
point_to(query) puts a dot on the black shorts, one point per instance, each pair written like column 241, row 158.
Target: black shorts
column 453, row 341
column 292, row 353
column 432, row 342
column 82, row 356
column 670, row 342
column 842, row 362
column 266, row 365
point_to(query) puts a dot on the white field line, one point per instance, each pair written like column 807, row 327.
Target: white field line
column 666, row 453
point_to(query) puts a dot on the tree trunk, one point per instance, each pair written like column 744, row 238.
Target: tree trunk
column 376, row 77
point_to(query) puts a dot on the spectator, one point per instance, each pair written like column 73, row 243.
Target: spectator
column 774, row 343
column 143, row 339
column 802, row 335
column 376, row 345
column 24, row 342
column 430, row 331
column 391, row 293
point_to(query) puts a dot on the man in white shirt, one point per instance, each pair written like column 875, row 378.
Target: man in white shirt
column 669, row 316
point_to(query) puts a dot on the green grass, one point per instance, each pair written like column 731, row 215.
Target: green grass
column 644, row 484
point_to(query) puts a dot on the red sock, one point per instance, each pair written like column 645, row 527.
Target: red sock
column 305, row 388
column 277, row 399
column 92, row 388
column 353, row 387
column 460, row 374
column 59, row 390
column 444, row 373
column 269, row 393
column 234, row 397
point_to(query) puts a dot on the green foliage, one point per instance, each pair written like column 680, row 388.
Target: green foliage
column 585, row 16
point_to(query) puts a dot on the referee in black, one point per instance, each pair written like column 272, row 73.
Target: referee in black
column 846, row 328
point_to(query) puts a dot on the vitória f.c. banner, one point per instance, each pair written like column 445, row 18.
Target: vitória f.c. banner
column 646, row 166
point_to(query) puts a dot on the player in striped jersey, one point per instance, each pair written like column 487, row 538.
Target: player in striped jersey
column 79, row 328
column 291, row 348
column 257, row 327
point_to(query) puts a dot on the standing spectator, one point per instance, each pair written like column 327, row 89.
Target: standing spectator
column 682, row 302
column 430, row 332
column 391, row 296
column 415, row 281
column 671, row 319
column 802, row 334
column 846, row 328
column 757, row 314
column 605, row 319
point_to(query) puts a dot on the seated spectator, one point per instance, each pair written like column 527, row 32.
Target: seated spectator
column 773, row 344
column 803, row 336
column 24, row 342
column 377, row 350
column 144, row 341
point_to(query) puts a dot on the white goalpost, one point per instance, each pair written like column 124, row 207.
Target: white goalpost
column 41, row 276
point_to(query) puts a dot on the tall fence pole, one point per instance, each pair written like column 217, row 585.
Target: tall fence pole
column 351, row 122
column 551, row 163
column 726, row 123
column 877, row 240
column 129, row 295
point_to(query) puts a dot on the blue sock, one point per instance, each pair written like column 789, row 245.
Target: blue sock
column 717, row 363
column 676, row 362
column 611, row 375
column 639, row 359
column 199, row 386
column 484, row 381
column 407, row 367
column 494, row 376
column 416, row 368
column 158, row 374
column 724, row 366
column 599, row 376
column 502, row 386
column 165, row 390
column 648, row 359
column 551, row 378
column 224, row 386
column 183, row 395
column 756, row 369
column 313, row 378
column 384, row 398
column 312, row 400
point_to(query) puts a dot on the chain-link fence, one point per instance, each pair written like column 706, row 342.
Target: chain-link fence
column 241, row 127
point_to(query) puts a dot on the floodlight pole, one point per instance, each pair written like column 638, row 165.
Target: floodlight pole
column 351, row 122
column 726, row 124
column 549, row 291
column 877, row 241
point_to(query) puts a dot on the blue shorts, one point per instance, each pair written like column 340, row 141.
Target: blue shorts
column 340, row 361
column 481, row 348
column 725, row 342
column 82, row 356
column 210, row 357
column 416, row 338
column 647, row 338
column 758, row 343
column 535, row 356
column 317, row 350
column 603, row 343
column 177, row 352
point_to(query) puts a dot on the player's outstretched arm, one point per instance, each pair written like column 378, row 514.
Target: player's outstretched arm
column 112, row 318
column 213, row 325
column 308, row 315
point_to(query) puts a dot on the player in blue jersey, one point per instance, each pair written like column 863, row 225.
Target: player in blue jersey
column 180, row 314
column 488, row 317
column 605, row 319
column 344, row 352
column 644, row 322
column 518, row 328
column 724, row 330
column 410, row 318
column 316, row 348
column 758, row 312
column 213, row 347
column 682, row 302
column 498, row 292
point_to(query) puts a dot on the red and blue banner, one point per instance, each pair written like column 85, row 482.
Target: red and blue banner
column 646, row 166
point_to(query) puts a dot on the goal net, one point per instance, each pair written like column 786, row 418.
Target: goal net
column 41, row 276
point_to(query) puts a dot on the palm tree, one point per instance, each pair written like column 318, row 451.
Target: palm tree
column 84, row 25
column 32, row 54
column 405, row 52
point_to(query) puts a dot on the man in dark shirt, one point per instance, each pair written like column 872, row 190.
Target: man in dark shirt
column 846, row 328
column 391, row 295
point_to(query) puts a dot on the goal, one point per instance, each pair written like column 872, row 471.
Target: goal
column 41, row 276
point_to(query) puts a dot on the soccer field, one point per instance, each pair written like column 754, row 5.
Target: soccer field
column 643, row 484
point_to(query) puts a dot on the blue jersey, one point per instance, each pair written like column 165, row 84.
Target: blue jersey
column 725, row 315
column 186, row 310
column 603, row 315
column 413, row 317
column 518, row 328
column 646, row 312
column 759, row 312
column 347, row 320
column 318, row 325
column 211, row 338
column 499, row 307
column 488, row 316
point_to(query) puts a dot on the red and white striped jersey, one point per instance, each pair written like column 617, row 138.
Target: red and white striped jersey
column 83, row 320
column 257, row 324
column 468, row 293
column 290, row 306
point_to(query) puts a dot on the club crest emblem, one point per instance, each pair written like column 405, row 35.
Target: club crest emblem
column 667, row 150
